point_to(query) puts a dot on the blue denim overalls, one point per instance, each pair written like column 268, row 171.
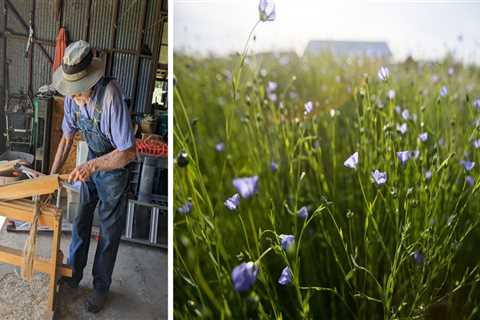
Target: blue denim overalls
column 108, row 189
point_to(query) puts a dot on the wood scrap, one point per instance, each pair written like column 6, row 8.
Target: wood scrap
column 7, row 167
column 28, row 188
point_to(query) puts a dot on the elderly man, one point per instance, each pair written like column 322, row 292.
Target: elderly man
column 94, row 105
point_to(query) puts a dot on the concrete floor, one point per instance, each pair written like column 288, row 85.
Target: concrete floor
column 139, row 284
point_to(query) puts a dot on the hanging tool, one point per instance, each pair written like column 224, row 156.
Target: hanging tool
column 30, row 38
column 30, row 173
column 7, row 97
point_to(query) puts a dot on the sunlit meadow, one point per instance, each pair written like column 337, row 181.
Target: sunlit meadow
column 325, row 187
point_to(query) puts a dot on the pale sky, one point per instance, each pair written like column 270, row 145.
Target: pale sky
column 425, row 29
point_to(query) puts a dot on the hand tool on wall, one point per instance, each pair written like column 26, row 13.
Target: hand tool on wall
column 30, row 39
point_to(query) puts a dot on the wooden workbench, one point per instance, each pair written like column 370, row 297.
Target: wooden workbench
column 13, row 207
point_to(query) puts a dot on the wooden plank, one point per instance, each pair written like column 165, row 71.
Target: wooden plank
column 28, row 188
column 7, row 167
column 14, row 257
column 28, row 206
column 21, row 214
column 53, row 272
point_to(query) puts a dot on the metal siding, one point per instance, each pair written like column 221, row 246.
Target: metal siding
column 129, row 21
column 2, row 93
column 101, row 21
column 75, row 17
column 1, row 71
column 45, row 29
column 123, row 65
column 1, row 15
column 42, row 71
column 144, row 84
column 45, row 24
column 24, row 8
column 75, row 14
column 18, row 68
column 153, row 18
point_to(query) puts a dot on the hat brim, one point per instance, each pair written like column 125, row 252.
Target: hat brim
column 95, row 72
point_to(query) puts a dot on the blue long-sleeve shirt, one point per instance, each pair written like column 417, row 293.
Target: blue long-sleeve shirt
column 115, row 121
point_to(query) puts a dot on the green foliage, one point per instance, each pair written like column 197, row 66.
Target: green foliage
column 354, row 255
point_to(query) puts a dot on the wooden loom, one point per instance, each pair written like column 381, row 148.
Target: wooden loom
column 13, row 205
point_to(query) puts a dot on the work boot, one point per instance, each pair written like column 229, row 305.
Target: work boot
column 70, row 282
column 95, row 301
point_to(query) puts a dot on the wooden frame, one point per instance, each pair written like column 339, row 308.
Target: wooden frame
column 28, row 188
column 50, row 216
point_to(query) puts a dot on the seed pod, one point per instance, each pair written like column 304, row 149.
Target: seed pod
column 182, row 159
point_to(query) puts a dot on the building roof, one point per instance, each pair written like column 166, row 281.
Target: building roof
column 376, row 49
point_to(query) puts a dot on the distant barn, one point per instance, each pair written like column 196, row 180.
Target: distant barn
column 373, row 49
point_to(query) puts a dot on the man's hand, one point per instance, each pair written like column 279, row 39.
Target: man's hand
column 82, row 172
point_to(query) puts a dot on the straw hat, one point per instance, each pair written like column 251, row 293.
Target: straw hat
column 79, row 71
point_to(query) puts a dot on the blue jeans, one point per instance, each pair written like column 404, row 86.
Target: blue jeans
column 108, row 190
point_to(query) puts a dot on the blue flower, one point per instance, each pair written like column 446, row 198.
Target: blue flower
column 418, row 257
column 379, row 177
column 186, row 208
column 272, row 86
column 286, row 240
column 285, row 277
column 383, row 73
column 476, row 143
column 303, row 213
column 470, row 180
column 233, row 202
column 352, row 161
column 246, row 186
column 402, row 128
column 467, row 165
column 423, row 136
column 435, row 78
column 476, row 103
column 391, row 94
column 403, row 156
column 450, row 71
column 272, row 96
column 428, row 175
column 406, row 115
column 274, row 166
column 443, row 91
column 220, row 147
column 398, row 109
column 308, row 107
column 244, row 276
column 266, row 10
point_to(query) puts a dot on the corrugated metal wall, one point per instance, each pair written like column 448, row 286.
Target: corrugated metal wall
column 128, row 19
column 123, row 65
column 44, row 11
column 17, row 66
column 91, row 20
column 101, row 19
column 75, row 17
column 2, row 84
